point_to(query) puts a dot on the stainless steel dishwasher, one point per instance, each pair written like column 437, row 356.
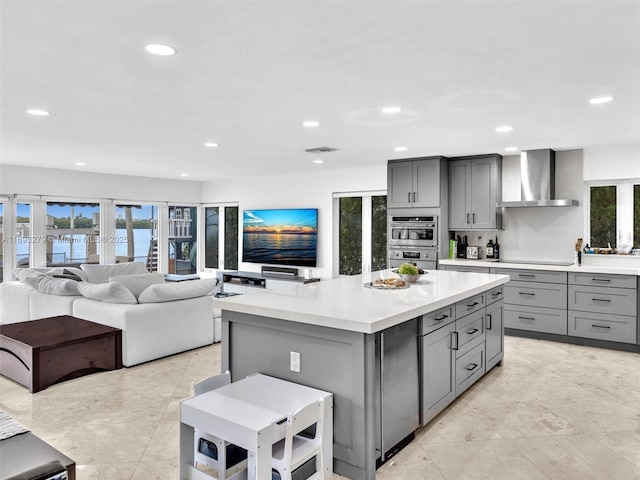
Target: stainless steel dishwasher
column 397, row 388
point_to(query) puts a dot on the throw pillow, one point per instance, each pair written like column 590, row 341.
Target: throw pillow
column 138, row 283
column 170, row 291
column 113, row 292
column 45, row 283
column 102, row 273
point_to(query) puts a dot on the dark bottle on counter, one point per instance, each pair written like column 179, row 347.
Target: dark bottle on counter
column 496, row 249
column 490, row 249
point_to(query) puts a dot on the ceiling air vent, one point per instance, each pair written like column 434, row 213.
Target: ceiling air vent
column 321, row 150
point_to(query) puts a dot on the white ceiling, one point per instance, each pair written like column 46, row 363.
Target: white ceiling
column 247, row 74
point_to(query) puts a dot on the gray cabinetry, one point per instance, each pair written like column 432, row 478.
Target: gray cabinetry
column 475, row 190
column 535, row 300
column 603, row 307
column 494, row 338
column 414, row 183
column 456, row 268
column 438, row 370
column 469, row 342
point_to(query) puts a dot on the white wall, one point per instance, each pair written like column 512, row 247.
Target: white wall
column 299, row 191
column 612, row 163
column 60, row 183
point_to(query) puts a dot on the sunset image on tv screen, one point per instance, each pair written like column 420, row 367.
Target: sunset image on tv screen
column 281, row 237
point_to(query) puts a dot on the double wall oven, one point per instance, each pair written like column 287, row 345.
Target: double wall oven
column 413, row 239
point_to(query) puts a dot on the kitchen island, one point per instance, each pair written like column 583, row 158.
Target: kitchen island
column 393, row 359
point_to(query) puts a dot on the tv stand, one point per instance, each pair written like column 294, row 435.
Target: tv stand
column 245, row 282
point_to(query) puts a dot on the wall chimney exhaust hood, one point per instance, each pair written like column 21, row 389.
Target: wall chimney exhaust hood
column 537, row 181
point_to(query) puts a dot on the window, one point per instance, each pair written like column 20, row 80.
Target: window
column 636, row 216
column 1, row 240
column 72, row 230
column 134, row 234
column 603, row 216
column 183, row 229
column 227, row 237
column 362, row 233
column 613, row 216
column 23, row 234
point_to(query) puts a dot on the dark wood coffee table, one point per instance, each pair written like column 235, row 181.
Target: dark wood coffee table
column 42, row 352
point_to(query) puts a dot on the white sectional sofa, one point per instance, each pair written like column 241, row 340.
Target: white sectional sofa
column 170, row 318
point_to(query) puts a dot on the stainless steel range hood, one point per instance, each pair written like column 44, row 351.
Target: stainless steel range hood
column 537, row 181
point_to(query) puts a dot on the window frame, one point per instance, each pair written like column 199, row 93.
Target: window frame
column 624, row 209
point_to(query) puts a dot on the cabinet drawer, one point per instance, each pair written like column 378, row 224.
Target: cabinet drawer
column 603, row 280
column 456, row 268
column 469, row 331
column 535, row 319
column 532, row 275
column 617, row 301
column 549, row 295
column 469, row 368
column 433, row 321
column 616, row 328
column 470, row 305
column 494, row 295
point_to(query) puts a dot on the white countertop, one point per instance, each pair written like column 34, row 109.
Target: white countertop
column 345, row 303
column 609, row 269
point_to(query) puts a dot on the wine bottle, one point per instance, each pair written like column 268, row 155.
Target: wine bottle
column 496, row 249
column 490, row 251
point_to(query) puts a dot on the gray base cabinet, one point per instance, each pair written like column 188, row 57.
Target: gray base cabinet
column 438, row 371
column 494, row 343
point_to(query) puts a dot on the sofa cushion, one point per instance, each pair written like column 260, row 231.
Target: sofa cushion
column 112, row 292
column 45, row 283
column 102, row 273
column 139, row 282
column 170, row 291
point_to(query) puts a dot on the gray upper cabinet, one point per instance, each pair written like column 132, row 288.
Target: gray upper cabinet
column 475, row 190
column 414, row 183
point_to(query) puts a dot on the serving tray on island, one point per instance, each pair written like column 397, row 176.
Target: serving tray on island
column 386, row 286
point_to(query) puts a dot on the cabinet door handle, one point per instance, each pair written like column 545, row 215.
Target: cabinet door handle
column 600, row 326
column 472, row 331
column 606, row 300
column 490, row 325
column 439, row 319
column 456, row 344
column 468, row 218
column 414, row 197
column 526, row 293
column 526, row 318
column 474, row 218
column 471, row 367
column 409, row 197
column 526, row 275
column 604, row 280
column 472, row 305
column 496, row 294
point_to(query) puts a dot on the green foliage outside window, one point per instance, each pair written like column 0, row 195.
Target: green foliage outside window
column 231, row 237
column 379, row 232
column 603, row 216
column 350, row 227
column 636, row 216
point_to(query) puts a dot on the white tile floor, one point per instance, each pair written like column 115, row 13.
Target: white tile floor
column 552, row 411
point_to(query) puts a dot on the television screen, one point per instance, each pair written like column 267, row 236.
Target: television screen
column 280, row 237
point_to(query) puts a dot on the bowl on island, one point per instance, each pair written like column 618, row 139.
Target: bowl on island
column 408, row 277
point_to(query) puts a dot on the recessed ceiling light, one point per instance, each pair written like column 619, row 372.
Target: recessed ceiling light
column 211, row 145
column 599, row 100
column 80, row 164
column 400, row 149
column 311, row 123
column 38, row 111
column 391, row 110
column 504, row 128
column 184, row 174
column 511, row 149
column 317, row 160
column 158, row 49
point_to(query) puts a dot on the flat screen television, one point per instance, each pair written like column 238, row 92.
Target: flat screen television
column 280, row 236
